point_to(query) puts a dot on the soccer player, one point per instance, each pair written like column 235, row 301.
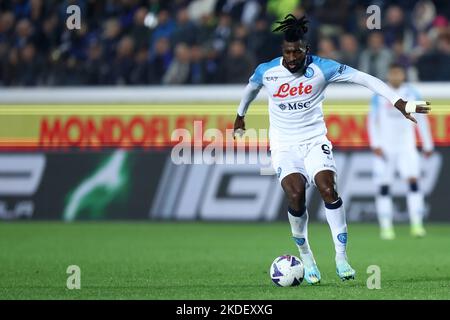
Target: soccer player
column 393, row 142
column 301, row 153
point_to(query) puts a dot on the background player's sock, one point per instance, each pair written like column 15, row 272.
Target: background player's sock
column 299, row 228
column 384, row 209
column 335, row 214
column 415, row 207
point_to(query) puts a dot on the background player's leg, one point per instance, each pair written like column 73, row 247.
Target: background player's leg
column 294, row 186
column 385, row 212
column 383, row 176
column 416, row 206
column 409, row 167
column 335, row 213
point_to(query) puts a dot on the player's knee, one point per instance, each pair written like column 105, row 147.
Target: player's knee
column 296, row 199
column 328, row 193
column 384, row 190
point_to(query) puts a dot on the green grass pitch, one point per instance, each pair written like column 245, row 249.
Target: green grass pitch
column 180, row 261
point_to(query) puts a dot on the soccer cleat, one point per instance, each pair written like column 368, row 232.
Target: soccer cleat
column 418, row 231
column 387, row 233
column 344, row 270
column 312, row 274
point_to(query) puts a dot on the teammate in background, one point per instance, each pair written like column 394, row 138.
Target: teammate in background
column 301, row 153
column 393, row 142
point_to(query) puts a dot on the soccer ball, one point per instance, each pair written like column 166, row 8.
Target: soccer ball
column 287, row 271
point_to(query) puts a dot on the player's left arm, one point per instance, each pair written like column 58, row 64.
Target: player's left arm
column 345, row 73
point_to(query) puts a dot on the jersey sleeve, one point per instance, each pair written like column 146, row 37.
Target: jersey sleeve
column 334, row 71
column 252, row 89
column 257, row 77
column 250, row 93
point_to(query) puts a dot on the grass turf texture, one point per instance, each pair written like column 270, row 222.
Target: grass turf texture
column 211, row 261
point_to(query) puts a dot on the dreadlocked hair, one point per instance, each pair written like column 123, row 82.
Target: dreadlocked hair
column 294, row 29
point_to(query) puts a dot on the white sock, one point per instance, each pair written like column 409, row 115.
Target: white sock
column 384, row 207
column 299, row 228
column 335, row 214
column 415, row 203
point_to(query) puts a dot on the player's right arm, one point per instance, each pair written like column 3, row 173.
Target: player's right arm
column 250, row 92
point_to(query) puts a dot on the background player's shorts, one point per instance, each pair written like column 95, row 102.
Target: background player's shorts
column 405, row 161
column 307, row 159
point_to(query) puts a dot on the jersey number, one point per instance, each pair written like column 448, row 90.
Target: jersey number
column 326, row 149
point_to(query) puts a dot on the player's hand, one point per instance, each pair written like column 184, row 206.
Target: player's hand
column 378, row 152
column 427, row 154
column 239, row 127
column 408, row 107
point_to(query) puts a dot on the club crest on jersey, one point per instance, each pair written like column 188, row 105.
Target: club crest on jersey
column 286, row 90
column 309, row 72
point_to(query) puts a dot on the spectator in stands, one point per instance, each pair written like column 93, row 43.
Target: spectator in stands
column 95, row 68
column 265, row 45
column 23, row 34
column 435, row 65
column 237, row 65
column 205, row 30
column 160, row 60
column 140, row 32
column 349, row 50
column 185, row 30
column 179, row 69
column 164, row 29
column 399, row 55
column 212, row 65
column 327, row 49
column 199, row 9
column 29, row 67
column 376, row 58
column 111, row 37
column 197, row 72
column 124, row 61
column 395, row 29
column 215, row 32
column 241, row 11
column 140, row 74
column 7, row 23
column 423, row 15
column 222, row 33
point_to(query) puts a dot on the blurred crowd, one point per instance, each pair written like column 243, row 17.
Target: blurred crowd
column 139, row 42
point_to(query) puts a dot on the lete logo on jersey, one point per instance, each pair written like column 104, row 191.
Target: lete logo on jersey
column 286, row 90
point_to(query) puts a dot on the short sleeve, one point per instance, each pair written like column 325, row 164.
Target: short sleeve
column 334, row 71
column 257, row 76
